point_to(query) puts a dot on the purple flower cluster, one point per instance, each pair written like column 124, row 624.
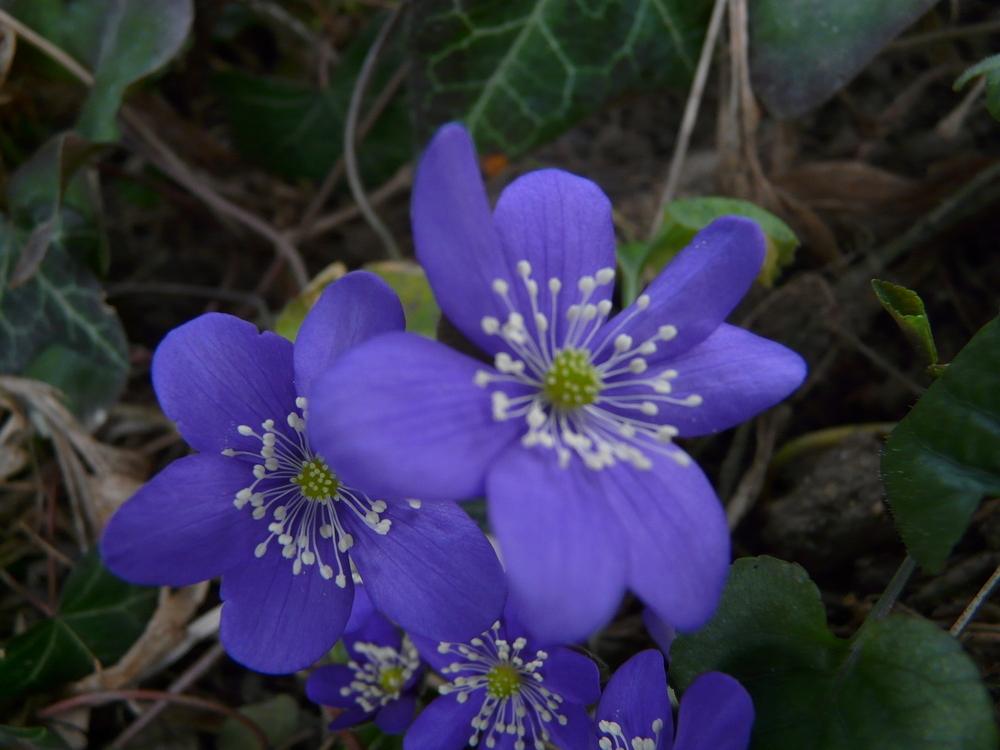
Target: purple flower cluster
column 312, row 456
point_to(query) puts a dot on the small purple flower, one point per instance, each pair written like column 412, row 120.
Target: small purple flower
column 263, row 509
column 716, row 712
column 569, row 434
column 381, row 680
column 507, row 692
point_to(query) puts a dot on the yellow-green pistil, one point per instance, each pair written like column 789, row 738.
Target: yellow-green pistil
column 571, row 380
column 316, row 481
column 503, row 681
column 391, row 679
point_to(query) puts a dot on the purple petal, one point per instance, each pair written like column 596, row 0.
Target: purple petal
column 397, row 715
column 377, row 630
column 662, row 633
column 428, row 650
column 454, row 234
column 561, row 224
column 575, row 734
column 351, row 310
column 276, row 622
column 573, row 676
column 677, row 537
column 716, row 713
column 563, row 547
column 181, row 527
column 350, row 718
column 445, row 724
column 217, row 372
column 636, row 697
column 698, row 288
column 324, row 685
column 735, row 373
column 434, row 572
column 361, row 609
column 400, row 416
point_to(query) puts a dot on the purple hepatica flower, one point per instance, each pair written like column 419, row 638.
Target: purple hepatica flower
column 716, row 712
column 569, row 435
column 381, row 680
column 285, row 550
column 505, row 691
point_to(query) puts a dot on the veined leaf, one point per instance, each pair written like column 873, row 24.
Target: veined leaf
column 99, row 618
column 520, row 71
column 901, row 683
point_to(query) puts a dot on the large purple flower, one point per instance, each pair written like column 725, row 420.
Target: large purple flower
column 271, row 515
column 716, row 712
column 569, row 434
column 505, row 691
column 380, row 681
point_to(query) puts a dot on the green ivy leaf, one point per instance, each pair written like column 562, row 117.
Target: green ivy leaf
column 990, row 68
column 685, row 218
column 519, row 72
column 907, row 309
column 99, row 617
column 61, row 306
column 298, row 131
column 901, row 683
column 944, row 456
column 803, row 51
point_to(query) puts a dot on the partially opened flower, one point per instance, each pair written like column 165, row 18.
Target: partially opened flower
column 505, row 692
column 260, row 507
column 715, row 713
column 380, row 681
column 569, row 434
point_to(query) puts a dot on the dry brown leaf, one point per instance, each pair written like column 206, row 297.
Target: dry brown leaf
column 844, row 185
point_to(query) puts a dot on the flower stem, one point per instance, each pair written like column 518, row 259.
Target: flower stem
column 885, row 602
column 975, row 604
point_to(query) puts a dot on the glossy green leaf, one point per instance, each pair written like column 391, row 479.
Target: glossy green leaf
column 31, row 737
column 518, row 72
column 990, row 69
column 99, row 617
column 907, row 309
column 802, row 52
column 685, row 218
column 900, row 684
column 298, row 131
column 277, row 717
column 410, row 282
column 944, row 456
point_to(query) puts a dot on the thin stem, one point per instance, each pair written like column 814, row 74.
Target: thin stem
column 182, row 683
column 690, row 113
column 975, row 604
column 888, row 599
column 36, row 39
column 96, row 699
column 351, row 128
column 337, row 170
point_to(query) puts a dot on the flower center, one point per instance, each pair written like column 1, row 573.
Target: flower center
column 316, row 481
column 503, row 681
column 571, row 380
column 391, row 679
column 304, row 498
column 581, row 383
